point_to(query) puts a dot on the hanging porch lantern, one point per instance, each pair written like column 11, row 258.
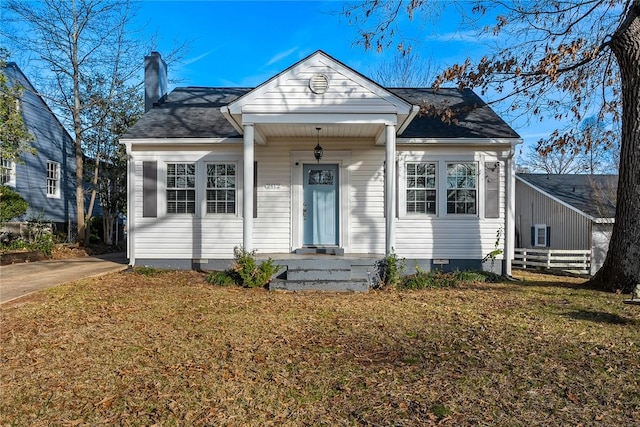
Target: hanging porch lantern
column 318, row 151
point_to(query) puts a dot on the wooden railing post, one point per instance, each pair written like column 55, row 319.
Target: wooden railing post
column 548, row 258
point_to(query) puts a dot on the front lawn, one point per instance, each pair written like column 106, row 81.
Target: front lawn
column 168, row 348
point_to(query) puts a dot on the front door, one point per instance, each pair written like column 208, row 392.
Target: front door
column 320, row 206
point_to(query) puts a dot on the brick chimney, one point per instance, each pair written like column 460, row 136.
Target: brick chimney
column 155, row 80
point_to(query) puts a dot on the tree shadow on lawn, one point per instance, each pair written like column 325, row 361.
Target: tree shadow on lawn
column 600, row 317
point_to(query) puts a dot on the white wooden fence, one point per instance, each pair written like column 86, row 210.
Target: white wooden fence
column 573, row 261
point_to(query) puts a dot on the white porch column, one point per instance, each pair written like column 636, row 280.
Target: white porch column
column 390, row 189
column 510, row 215
column 247, row 193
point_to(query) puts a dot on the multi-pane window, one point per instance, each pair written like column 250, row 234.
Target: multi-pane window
column 540, row 235
column 53, row 179
column 462, row 188
column 6, row 171
column 421, row 188
column 221, row 188
column 181, row 188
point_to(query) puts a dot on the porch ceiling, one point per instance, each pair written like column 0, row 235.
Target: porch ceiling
column 308, row 131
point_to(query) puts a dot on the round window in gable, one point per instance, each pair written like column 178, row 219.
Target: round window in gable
column 319, row 84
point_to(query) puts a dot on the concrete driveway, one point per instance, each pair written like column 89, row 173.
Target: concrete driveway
column 17, row 280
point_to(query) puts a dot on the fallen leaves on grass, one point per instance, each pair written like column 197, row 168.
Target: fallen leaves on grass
column 132, row 349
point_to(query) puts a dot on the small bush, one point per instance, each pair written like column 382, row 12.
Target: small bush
column 38, row 238
column 470, row 276
column 390, row 270
column 221, row 278
column 145, row 271
column 428, row 279
column 438, row 279
column 245, row 271
column 12, row 204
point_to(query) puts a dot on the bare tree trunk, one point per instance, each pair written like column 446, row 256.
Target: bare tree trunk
column 108, row 220
column 92, row 199
column 621, row 269
column 77, row 127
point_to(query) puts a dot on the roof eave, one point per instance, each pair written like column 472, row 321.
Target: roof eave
column 554, row 198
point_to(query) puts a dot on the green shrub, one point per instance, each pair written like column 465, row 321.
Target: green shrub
column 248, row 273
column 221, row 278
column 438, row 279
column 144, row 270
column 470, row 276
column 390, row 270
column 12, row 204
column 39, row 237
column 428, row 279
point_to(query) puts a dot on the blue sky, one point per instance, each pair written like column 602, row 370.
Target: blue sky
column 244, row 43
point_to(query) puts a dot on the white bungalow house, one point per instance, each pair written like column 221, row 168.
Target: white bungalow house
column 318, row 159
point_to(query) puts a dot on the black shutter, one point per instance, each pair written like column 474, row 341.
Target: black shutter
column 149, row 189
column 255, row 189
column 548, row 237
column 533, row 237
column 492, row 190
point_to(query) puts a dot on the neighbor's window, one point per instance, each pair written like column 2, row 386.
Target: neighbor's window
column 540, row 235
column 421, row 188
column 6, row 172
column 221, row 188
column 181, row 188
column 462, row 190
column 53, row 179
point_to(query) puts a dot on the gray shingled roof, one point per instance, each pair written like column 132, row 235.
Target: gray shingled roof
column 189, row 112
column 473, row 117
column 595, row 195
column 194, row 112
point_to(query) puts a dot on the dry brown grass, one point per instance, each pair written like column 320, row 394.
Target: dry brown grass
column 168, row 349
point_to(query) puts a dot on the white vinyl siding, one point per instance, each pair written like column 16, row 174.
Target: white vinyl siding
column 53, row 179
column 195, row 236
column 349, row 94
column 181, row 184
column 445, row 235
column 213, row 236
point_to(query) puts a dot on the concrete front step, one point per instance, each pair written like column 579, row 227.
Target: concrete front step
column 319, row 285
column 316, row 274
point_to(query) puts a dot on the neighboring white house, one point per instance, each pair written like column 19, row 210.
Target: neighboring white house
column 567, row 212
column 214, row 168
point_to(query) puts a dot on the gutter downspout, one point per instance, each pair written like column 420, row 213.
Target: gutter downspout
column 131, row 253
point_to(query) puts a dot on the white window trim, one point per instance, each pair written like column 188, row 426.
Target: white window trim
column 200, row 160
column 441, row 185
column 536, row 242
column 165, row 189
column 478, row 188
column 56, row 194
column 402, row 189
column 205, row 188
column 11, row 167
